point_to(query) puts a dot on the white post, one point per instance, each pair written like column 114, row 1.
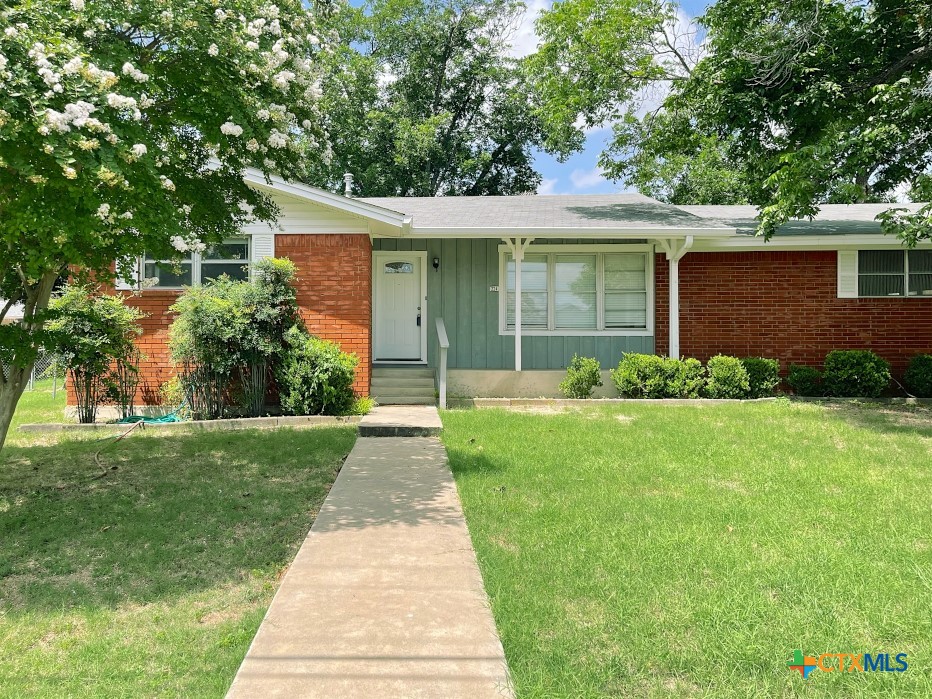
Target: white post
column 518, row 254
column 674, row 255
column 674, row 351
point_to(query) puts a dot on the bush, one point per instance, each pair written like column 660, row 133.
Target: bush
column 763, row 375
column 315, row 377
column 805, row 380
column 651, row 376
column 685, row 378
column 640, row 376
column 855, row 373
column 582, row 376
column 94, row 336
column 918, row 376
column 727, row 378
column 362, row 405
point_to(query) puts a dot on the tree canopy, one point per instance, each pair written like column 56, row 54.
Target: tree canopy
column 792, row 103
column 423, row 99
column 126, row 127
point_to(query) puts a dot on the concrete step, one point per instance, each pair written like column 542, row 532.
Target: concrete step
column 402, row 372
column 405, row 382
column 427, row 391
column 401, row 421
column 404, row 400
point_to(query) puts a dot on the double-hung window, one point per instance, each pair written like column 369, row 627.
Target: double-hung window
column 883, row 273
column 572, row 290
column 231, row 257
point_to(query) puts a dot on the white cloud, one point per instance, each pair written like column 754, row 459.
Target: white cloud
column 587, row 179
column 524, row 40
column 547, row 186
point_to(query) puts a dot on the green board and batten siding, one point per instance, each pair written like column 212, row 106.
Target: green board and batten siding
column 459, row 293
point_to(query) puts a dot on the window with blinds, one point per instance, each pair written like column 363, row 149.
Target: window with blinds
column 575, row 292
column 883, row 273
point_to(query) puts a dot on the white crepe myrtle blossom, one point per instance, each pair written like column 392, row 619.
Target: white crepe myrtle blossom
column 179, row 243
column 130, row 70
column 77, row 5
column 231, row 129
column 213, row 50
column 167, row 183
column 139, row 149
column 277, row 139
column 103, row 211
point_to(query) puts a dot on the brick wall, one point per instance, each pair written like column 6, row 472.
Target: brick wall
column 335, row 291
column 784, row 305
column 334, row 284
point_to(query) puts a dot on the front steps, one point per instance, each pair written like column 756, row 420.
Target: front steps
column 403, row 386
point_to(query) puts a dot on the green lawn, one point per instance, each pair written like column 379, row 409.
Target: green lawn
column 654, row 551
column 152, row 580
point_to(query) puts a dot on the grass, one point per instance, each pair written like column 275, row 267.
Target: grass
column 150, row 580
column 656, row 551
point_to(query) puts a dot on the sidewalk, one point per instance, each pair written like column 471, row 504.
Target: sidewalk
column 384, row 598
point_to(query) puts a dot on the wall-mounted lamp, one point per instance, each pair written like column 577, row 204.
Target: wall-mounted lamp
column 436, row 263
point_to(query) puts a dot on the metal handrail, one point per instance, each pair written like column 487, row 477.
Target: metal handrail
column 444, row 342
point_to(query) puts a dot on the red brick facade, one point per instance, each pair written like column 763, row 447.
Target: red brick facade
column 335, row 291
column 334, row 284
column 784, row 305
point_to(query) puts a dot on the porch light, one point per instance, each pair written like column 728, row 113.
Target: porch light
column 436, row 263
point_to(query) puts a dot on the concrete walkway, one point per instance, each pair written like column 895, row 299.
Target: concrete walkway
column 385, row 598
column 401, row 421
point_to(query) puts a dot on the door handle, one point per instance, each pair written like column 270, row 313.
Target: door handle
column 418, row 320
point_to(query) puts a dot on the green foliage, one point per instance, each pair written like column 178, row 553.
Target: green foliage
column 315, row 377
column 805, row 380
column 94, row 337
column 685, row 377
column 173, row 396
column 640, row 376
column 126, row 126
column 362, row 405
column 727, row 378
column 918, row 376
column 233, row 330
column 651, row 376
column 763, row 375
column 456, row 118
column 582, row 376
column 855, row 373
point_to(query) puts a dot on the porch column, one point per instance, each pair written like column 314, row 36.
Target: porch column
column 675, row 250
column 517, row 246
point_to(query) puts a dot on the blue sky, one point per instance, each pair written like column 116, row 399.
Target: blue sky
column 580, row 173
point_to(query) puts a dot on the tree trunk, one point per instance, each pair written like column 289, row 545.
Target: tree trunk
column 10, row 392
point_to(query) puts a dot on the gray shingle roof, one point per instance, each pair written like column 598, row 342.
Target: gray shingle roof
column 832, row 219
column 609, row 211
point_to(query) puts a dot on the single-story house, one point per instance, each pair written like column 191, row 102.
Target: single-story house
column 394, row 279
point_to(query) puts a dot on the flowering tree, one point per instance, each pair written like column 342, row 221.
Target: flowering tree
column 125, row 125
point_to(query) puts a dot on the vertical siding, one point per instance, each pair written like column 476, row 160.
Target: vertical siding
column 459, row 293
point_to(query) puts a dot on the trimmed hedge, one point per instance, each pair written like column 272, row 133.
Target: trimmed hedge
column 855, row 374
column 763, row 375
column 918, row 376
column 805, row 380
column 727, row 378
column 582, row 376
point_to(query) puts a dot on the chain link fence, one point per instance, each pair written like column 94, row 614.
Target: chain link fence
column 47, row 367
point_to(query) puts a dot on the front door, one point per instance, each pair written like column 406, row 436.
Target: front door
column 400, row 317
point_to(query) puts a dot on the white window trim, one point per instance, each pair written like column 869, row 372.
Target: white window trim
column 906, row 294
column 196, row 259
column 646, row 250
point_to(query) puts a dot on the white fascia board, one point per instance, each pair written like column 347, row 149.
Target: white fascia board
column 569, row 232
column 799, row 242
column 329, row 199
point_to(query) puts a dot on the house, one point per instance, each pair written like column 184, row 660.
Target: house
column 597, row 275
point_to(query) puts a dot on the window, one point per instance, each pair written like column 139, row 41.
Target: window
column 894, row 273
column 231, row 257
column 573, row 290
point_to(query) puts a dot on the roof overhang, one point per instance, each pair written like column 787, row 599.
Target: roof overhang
column 569, row 232
column 393, row 222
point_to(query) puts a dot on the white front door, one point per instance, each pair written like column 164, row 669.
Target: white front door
column 400, row 313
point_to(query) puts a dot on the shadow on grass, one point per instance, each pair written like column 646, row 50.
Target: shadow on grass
column 173, row 514
column 884, row 418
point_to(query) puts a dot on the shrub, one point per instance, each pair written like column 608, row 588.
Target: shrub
column 918, row 376
column 362, row 405
column 805, row 380
column 685, row 378
column 640, row 376
column 315, row 377
column 763, row 375
column 94, row 337
column 232, row 331
column 856, row 373
column 582, row 376
column 727, row 378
